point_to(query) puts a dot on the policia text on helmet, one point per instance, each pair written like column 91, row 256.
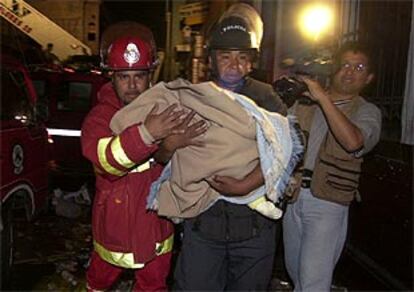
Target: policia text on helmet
column 234, row 45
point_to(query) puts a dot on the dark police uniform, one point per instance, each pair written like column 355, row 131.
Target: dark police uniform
column 230, row 246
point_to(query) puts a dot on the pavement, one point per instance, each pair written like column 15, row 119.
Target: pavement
column 52, row 254
column 52, row 251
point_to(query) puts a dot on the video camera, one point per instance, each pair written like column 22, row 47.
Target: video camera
column 317, row 65
column 289, row 88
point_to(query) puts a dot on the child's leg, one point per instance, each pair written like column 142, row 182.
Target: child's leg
column 266, row 208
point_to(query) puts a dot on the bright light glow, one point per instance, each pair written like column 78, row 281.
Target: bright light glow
column 315, row 20
column 96, row 72
column 64, row 132
column 50, row 139
column 70, row 70
column 21, row 118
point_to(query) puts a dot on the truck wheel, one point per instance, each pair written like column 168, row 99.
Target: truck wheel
column 7, row 245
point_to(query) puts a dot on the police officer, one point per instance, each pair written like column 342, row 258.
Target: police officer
column 229, row 246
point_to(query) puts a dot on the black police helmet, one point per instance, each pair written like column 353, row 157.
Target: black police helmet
column 233, row 33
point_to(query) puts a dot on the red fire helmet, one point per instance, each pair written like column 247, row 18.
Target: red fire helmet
column 129, row 53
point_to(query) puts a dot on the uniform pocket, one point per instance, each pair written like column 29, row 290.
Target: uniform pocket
column 112, row 218
column 336, row 182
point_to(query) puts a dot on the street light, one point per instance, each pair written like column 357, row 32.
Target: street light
column 315, row 19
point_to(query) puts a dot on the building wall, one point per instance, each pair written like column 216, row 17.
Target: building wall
column 79, row 17
column 91, row 24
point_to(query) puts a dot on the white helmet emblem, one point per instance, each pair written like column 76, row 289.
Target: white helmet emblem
column 131, row 54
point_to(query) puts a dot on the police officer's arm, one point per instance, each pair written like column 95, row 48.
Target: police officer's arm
column 176, row 141
column 265, row 96
column 114, row 156
column 229, row 186
column 346, row 133
column 279, row 106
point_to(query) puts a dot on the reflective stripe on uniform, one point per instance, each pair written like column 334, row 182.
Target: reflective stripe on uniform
column 120, row 157
column 119, row 153
column 165, row 246
column 126, row 260
column 102, row 145
column 142, row 167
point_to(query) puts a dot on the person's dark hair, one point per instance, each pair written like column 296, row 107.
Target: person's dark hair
column 355, row 47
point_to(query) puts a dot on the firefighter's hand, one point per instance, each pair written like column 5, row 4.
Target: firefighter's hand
column 176, row 141
column 160, row 125
column 188, row 134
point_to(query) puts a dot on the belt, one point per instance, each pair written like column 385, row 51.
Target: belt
column 306, row 183
column 306, row 178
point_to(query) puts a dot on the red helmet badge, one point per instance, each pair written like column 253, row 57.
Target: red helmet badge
column 131, row 54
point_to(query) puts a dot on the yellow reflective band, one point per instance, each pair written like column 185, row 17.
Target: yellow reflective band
column 142, row 167
column 165, row 246
column 102, row 145
column 119, row 153
column 125, row 260
column 256, row 202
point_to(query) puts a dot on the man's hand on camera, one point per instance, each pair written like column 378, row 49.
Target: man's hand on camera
column 315, row 91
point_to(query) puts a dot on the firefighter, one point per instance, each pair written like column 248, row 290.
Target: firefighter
column 229, row 246
column 125, row 234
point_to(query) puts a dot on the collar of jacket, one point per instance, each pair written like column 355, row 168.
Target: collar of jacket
column 108, row 95
column 235, row 87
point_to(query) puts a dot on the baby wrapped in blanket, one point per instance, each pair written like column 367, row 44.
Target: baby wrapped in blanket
column 240, row 135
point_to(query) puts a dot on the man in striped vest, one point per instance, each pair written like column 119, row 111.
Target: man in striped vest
column 341, row 127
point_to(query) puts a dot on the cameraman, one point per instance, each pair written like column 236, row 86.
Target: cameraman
column 341, row 128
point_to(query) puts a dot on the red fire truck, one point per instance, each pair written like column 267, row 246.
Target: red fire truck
column 70, row 95
column 24, row 155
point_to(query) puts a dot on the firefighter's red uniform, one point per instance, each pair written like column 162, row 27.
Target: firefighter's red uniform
column 126, row 234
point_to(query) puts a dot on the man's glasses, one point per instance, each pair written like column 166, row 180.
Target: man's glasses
column 355, row 68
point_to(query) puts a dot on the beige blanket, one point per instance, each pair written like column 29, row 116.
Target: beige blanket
column 230, row 143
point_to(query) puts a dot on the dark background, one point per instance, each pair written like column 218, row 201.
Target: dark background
column 149, row 13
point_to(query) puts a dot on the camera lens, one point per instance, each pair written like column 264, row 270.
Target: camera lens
column 289, row 88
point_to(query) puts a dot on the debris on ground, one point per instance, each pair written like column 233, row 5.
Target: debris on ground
column 70, row 204
column 52, row 252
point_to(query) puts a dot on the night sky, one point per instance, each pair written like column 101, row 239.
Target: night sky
column 149, row 13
